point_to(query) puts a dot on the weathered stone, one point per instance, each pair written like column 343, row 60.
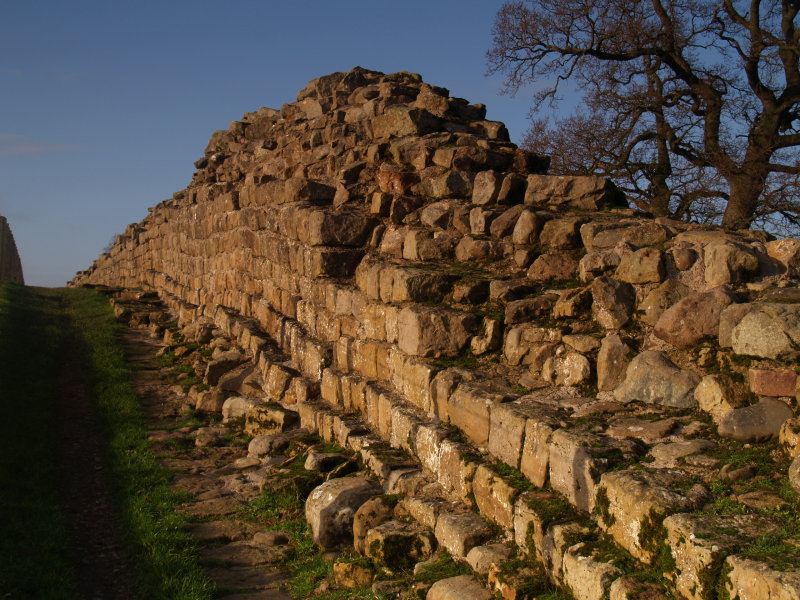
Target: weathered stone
column 571, row 368
column 588, row 576
column 351, row 575
column 693, row 318
column 399, row 121
column 458, row 533
column 528, row 309
column 768, row 331
column 756, row 423
column 700, row 543
column 238, row 407
column 573, row 303
column 490, row 338
column 434, row 332
column 787, row 251
column 469, row 249
column 612, row 362
column 561, row 234
column 669, row 454
column 267, row 419
column 528, row 226
column 789, row 436
column 469, row 408
column 718, row 395
column 553, row 266
column 632, row 503
column 398, row 545
column 586, row 192
column 612, row 302
column 210, row 401
column 371, row 513
column 463, row 587
column 643, row 266
column 486, row 188
column 504, row 224
column 494, row 497
column 597, row 263
column 794, row 474
column 652, row 378
column 331, row 506
column 650, row 432
column 581, row 343
column 535, row 459
column 221, row 365
column 481, row 558
column 766, row 382
column 728, row 262
column 577, row 460
column 748, row 579
column 603, row 235
column 660, row 299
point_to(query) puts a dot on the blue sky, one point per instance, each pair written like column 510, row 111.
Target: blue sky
column 106, row 104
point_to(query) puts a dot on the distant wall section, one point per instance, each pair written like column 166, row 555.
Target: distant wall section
column 10, row 265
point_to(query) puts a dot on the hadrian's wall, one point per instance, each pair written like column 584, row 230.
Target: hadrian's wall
column 10, row 265
column 615, row 392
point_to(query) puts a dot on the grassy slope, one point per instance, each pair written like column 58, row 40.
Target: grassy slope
column 36, row 325
column 167, row 555
column 33, row 562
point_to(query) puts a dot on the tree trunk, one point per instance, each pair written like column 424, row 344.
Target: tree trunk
column 745, row 191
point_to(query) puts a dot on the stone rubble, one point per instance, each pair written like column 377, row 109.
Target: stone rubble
column 519, row 357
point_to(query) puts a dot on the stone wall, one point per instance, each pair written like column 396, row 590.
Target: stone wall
column 10, row 265
column 397, row 270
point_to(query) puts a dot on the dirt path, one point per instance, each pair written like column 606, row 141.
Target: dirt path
column 103, row 569
column 242, row 561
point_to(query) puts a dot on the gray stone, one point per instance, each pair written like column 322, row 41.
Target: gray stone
column 651, row 377
column 643, row 266
column 612, row 361
column 756, row 423
column 463, row 587
column 728, row 262
column 221, row 365
column 768, row 331
column 460, row 532
column 481, row 558
column 612, row 302
column 330, row 508
column 660, row 299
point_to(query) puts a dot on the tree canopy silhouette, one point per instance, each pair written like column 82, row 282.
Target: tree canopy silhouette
column 691, row 105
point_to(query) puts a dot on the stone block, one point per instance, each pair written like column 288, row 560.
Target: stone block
column 577, row 461
column 494, row 496
column 767, row 382
column 330, row 508
column 399, row 546
column 469, row 408
column 586, row 192
column 631, row 504
column 432, row 332
column 700, row 544
column 458, row 533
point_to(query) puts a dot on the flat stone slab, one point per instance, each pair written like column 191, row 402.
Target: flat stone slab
column 260, row 595
column 247, row 578
column 242, row 554
column 215, row 507
column 194, row 484
column 221, row 531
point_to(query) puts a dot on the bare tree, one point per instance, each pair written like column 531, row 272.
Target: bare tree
column 694, row 103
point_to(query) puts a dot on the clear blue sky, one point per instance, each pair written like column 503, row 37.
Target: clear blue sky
column 106, row 104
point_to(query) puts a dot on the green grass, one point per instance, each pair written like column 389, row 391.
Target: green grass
column 32, row 534
column 37, row 326
column 167, row 557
